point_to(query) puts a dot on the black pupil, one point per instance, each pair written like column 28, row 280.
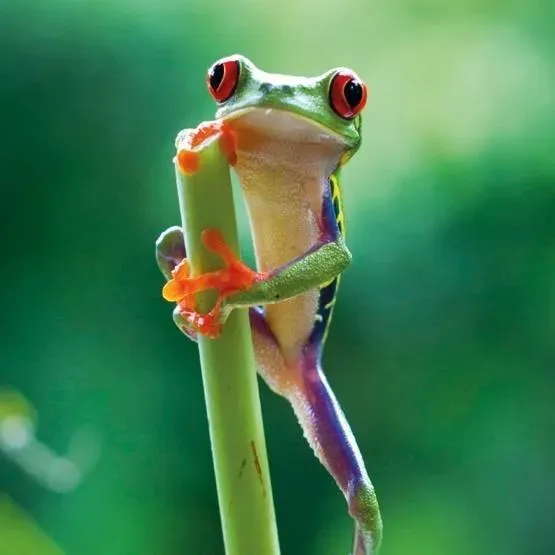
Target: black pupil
column 216, row 75
column 353, row 93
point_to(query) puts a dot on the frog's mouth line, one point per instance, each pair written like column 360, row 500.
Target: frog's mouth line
column 283, row 125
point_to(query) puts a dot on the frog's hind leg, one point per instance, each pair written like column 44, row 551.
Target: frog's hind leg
column 303, row 383
column 170, row 250
column 332, row 440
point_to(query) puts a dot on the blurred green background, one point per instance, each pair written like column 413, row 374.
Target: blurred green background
column 442, row 353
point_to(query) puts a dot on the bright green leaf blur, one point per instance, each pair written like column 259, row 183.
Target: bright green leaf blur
column 442, row 352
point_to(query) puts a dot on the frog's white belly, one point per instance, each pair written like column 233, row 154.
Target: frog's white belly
column 283, row 185
column 283, row 231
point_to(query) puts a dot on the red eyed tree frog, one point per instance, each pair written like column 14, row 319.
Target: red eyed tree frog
column 287, row 139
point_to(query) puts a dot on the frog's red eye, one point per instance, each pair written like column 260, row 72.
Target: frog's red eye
column 222, row 78
column 348, row 94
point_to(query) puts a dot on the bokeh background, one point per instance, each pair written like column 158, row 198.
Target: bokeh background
column 442, row 352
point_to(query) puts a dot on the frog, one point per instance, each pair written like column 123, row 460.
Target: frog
column 287, row 139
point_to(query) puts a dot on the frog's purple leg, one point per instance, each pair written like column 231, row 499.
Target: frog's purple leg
column 304, row 385
column 332, row 440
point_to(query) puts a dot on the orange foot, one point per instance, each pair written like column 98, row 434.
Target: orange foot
column 205, row 324
column 188, row 157
column 234, row 277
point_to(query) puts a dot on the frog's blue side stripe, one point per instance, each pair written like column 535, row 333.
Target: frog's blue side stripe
column 328, row 291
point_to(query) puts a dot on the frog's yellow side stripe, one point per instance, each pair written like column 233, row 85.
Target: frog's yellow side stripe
column 337, row 203
column 328, row 290
column 339, row 218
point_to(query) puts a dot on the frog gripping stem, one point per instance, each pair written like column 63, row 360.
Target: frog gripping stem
column 232, row 278
column 287, row 139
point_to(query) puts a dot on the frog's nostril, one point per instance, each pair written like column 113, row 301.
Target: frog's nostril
column 269, row 88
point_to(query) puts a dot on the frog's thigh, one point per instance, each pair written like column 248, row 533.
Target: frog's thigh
column 269, row 358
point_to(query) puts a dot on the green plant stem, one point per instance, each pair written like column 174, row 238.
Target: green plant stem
column 228, row 371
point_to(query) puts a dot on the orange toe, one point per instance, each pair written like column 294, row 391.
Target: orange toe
column 188, row 161
column 188, row 142
column 176, row 288
column 214, row 240
column 173, row 291
column 203, row 132
column 228, row 145
column 182, row 270
column 205, row 324
column 236, row 276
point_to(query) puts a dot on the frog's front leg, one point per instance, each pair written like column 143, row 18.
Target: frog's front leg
column 181, row 287
column 171, row 255
column 239, row 286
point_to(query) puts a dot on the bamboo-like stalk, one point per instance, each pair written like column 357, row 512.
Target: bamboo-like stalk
column 228, row 370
